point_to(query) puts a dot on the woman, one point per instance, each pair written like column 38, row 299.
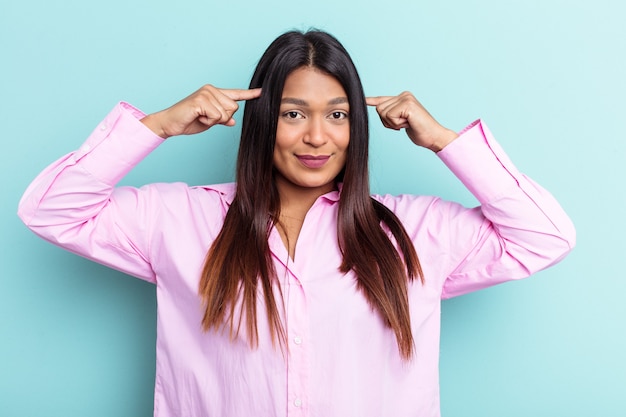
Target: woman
column 293, row 292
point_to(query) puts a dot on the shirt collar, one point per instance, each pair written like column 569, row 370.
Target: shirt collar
column 228, row 191
column 333, row 196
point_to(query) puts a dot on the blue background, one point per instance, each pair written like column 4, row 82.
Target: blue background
column 77, row 339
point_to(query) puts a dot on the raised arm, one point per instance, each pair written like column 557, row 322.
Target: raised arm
column 518, row 229
column 74, row 203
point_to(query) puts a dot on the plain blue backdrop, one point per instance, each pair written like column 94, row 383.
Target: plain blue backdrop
column 77, row 339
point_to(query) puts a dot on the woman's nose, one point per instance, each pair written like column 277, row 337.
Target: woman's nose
column 315, row 134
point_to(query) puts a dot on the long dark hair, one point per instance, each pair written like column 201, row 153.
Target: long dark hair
column 239, row 259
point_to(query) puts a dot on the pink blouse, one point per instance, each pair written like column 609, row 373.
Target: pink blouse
column 341, row 360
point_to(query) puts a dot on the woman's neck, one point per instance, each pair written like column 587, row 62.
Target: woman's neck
column 295, row 201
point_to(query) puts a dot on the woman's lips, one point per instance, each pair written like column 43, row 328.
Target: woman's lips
column 312, row 161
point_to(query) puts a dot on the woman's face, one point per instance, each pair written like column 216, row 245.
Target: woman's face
column 313, row 131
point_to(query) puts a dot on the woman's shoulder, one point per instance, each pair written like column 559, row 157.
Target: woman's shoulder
column 180, row 197
column 222, row 190
column 400, row 202
column 414, row 209
column 225, row 191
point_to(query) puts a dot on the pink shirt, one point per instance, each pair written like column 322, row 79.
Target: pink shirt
column 341, row 359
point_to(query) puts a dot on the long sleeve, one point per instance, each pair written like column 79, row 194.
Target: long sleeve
column 519, row 227
column 70, row 204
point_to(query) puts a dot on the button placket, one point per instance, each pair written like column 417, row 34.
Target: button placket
column 297, row 359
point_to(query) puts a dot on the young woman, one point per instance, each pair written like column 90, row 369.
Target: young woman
column 293, row 291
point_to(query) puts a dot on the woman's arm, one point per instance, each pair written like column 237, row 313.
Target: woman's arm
column 519, row 227
column 524, row 229
column 74, row 203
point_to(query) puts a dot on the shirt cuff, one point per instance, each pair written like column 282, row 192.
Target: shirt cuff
column 480, row 163
column 118, row 143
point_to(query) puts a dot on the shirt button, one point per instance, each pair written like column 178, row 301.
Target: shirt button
column 297, row 340
column 297, row 402
column 103, row 126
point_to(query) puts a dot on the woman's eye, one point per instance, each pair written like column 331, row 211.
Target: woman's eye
column 338, row 115
column 291, row 115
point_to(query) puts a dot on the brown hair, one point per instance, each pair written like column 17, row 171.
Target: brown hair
column 239, row 259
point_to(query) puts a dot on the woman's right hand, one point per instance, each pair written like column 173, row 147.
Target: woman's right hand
column 206, row 107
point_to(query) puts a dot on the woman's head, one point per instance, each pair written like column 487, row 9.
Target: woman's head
column 288, row 53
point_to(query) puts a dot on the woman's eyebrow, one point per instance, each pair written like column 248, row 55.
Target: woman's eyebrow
column 296, row 101
column 338, row 100
column 300, row 102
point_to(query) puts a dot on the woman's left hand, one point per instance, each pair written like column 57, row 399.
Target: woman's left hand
column 405, row 112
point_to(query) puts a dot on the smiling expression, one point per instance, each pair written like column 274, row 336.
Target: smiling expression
column 313, row 131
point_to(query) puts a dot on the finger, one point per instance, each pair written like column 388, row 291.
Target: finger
column 395, row 118
column 393, row 115
column 395, row 123
column 207, row 122
column 238, row 95
column 376, row 101
column 217, row 113
column 220, row 108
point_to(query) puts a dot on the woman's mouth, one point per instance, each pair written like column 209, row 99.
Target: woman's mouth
column 312, row 161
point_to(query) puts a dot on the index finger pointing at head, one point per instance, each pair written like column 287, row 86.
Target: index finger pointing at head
column 238, row 95
column 375, row 101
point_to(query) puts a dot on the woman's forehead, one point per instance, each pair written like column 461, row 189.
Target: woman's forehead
column 306, row 84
